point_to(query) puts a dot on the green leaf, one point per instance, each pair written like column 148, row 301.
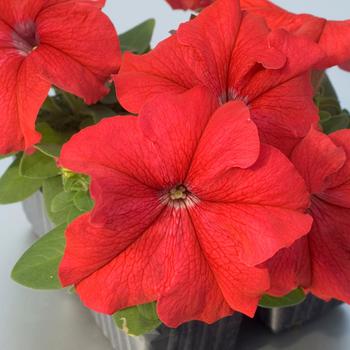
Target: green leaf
column 14, row 187
column 62, row 201
column 137, row 320
column 99, row 112
column 51, row 106
column 328, row 88
column 86, row 122
column 51, row 136
column 329, row 104
column 324, row 116
column 75, row 182
column 38, row 166
column 51, row 188
column 38, row 267
column 111, row 98
column 338, row 122
column 73, row 213
column 50, row 150
column 73, row 102
column 294, row 298
column 137, row 40
column 52, row 140
column 83, row 201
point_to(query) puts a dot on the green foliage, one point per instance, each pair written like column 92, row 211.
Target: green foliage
column 83, row 201
column 50, row 150
column 327, row 89
column 111, row 98
column 99, row 112
column 75, row 182
column 62, row 201
column 294, row 298
column 137, row 320
column 51, row 188
column 335, row 122
column 138, row 39
column 38, row 166
column 51, row 136
column 38, row 267
column 14, row 187
column 52, row 140
column 332, row 116
column 67, row 197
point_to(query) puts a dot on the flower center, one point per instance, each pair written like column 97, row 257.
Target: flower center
column 180, row 197
column 25, row 38
column 179, row 192
column 232, row 95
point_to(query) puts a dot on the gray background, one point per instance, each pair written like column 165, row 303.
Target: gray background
column 33, row 320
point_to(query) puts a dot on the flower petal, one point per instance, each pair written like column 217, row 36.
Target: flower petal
column 132, row 273
column 242, row 286
column 210, row 39
column 161, row 70
column 316, row 157
column 175, row 125
column 156, row 148
column 277, row 17
column 166, row 263
column 332, row 36
column 68, row 37
column 290, row 268
column 122, row 202
column 161, row 264
column 329, row 247
column 97, row 3
column 251, row 53
column 302, row 55
column 257, row 213
column 194, row 293
column 18, row 12
column 230, row 140
column 89, row 248
column 274, row 113
column 128, row 152
column 193, row 56
column 335, row 42
column 337, row 189
column 345, row 65
column 21, row 94
column 189, row 4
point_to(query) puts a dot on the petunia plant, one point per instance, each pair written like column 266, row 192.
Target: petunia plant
column 205, row 176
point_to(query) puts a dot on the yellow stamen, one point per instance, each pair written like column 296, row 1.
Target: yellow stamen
column 179, row 192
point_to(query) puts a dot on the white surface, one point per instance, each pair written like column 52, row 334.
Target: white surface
column 31, row 320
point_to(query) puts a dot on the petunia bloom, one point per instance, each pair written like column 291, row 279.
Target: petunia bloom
column 187, row 202
column 189, row 4
column 235, row 55
column 332, row 36
column 68, row 43
column 320, row 262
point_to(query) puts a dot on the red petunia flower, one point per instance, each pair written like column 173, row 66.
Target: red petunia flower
column 320, row 262
column 332, row 36
column 67, row 43
column 238, row 58
column 189, row 4
column 187, row 202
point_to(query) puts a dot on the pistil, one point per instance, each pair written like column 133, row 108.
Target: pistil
column 180, row 197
